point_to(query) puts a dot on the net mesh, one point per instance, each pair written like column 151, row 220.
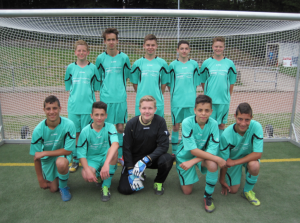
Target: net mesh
column 36, row 52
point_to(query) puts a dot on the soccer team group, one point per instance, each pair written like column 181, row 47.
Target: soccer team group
column 94, row 132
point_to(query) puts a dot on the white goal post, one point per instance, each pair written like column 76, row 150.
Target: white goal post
column 37, row 45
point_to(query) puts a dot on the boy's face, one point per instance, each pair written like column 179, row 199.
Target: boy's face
column 147, row 110
column 183, row 50
column 218, row 48
column 81, row 52
column 242, row 122
column 111, row 41
column 52, row 111
column 150, row 47
column 202, row 112
column 98, row 115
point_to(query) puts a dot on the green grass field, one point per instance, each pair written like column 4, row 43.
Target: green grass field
column 23, row 201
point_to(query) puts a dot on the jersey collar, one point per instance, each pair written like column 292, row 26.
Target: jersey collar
column 149, row 123
column 58, row 123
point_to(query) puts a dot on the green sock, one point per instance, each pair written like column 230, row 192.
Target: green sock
column 211, row 180
column 120, row 150
column 112, row 170
column 63, row 180
column 174, row 141
column 250, row 182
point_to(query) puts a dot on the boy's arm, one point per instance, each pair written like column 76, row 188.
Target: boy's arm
column 225, row 187
column 58, row 152
column 246, row 159
column 104, row 173
column 163, row 88
column 188, row 164
column 135, row 72
column 44, row 184
column 231, row 89
column 91, row 177
column 207, row 156
column 127, row 68
column 232, row 77
column 135, row 87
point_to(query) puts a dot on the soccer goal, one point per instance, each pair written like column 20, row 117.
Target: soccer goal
column 37, row 45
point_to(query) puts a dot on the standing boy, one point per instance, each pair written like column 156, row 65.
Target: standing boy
column 199, row 147
column 184, row 78
column 114, row 69
column 242, row 146
column 53, row 140
column 97, row 149
column 149, row 76
column 146, row 142
column 81, row 80
column 217, row 77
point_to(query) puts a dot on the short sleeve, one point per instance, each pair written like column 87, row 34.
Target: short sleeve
column 70, row 140
column 165, row 78
column 112, row 132
column 171, row 73
column 82, row 145
column 96, row 80
column 187, row 135
column 213, row 143
column 100, row 68
column 36, row 141
column 258, row 138
column 203, row 72
column 224, row 148
column 232, row 74
column 135, row 73
column 68, row 78
column 127, row 68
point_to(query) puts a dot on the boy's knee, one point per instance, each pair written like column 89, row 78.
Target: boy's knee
column 166, row 160
column 62, row 164
column 253, row 167
column 211, row 166
column 187, row 191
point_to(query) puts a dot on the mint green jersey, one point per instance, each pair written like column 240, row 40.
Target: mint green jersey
column 193, row 137
column 184, row 79
column 46, row 139
column 235, row 146
column 149, row 76
column 94, row 145
column 218, row 76
column 114, row 72
column 82, row 84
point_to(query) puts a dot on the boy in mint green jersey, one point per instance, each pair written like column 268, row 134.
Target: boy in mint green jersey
column 199, row 148
column 53, row 141
column 82, row 80
column 149, row 76
column 241, row 144
column 98, row 149
column 114, row 69
column 217, row 77
column 184, row 79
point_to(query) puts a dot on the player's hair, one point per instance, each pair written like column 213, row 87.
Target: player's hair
column 218, row 39
column 51, row 99
column 203, row 99
column 148, row 98
column 244, row 108
column 150, row 37
column 182, row 42
column 99, row 105
column 81, row 42
column 109, row 31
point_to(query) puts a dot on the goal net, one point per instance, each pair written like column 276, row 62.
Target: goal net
column 35, row 52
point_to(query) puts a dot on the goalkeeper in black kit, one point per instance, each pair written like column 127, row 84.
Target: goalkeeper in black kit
column 145, row 145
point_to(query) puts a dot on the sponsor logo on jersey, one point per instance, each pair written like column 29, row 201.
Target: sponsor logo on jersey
column 245, row 146
column 149, row 65
column 113, row 61
column 144, row 74
column 217, row 65
column 54, row 134
column 189, row 76
column 184, row 68
column 154, row 74
column 146, row 128
column 98, row 137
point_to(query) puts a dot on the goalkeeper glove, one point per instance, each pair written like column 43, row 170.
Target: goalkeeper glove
column 134, row 182
column 140, row 166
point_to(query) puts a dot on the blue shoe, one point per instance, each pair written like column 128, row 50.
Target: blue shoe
column 65, row 193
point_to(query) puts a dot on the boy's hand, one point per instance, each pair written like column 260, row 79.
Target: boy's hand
column 38, row 155
column 225, row 187
column 221, row 162
column 44, row 184
column 186, row 165
column 91, row 177
column 104, row 173
column 140, row 166
column 230, row 163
